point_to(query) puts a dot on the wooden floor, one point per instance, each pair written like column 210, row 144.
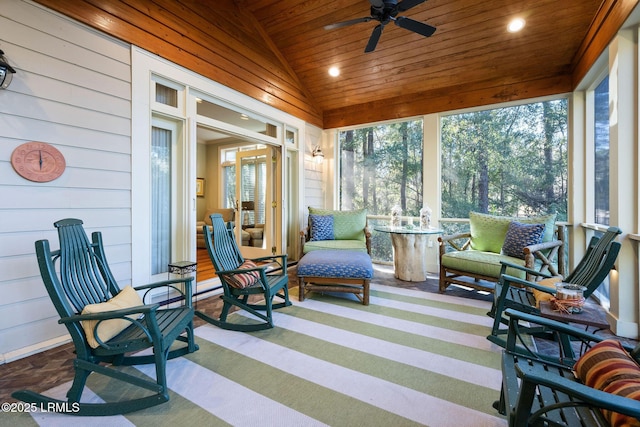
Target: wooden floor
column 204, row 270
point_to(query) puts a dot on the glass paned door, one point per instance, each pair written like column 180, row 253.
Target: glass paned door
column 254, row 193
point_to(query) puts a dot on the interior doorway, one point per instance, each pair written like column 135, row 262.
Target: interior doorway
column 245, row 176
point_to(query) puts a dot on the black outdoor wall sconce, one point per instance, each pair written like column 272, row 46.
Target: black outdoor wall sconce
column 6, row 72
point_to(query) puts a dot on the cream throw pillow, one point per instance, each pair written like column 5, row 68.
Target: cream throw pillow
column 108, row 329
column 548, row 283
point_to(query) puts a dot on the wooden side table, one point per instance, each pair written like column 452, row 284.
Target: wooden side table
column 592, row 315
column 409, row 251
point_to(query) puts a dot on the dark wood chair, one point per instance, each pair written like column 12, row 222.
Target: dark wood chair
column 241, row 279
column 86, row 292
column 512, row 292
column 541, row 389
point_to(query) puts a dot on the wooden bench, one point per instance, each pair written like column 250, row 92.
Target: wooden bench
column 540, row 389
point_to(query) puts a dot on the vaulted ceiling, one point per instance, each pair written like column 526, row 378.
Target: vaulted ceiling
column 470, row 52
column 279, row 52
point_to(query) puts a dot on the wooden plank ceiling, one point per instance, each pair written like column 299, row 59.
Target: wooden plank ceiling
column 470, row 54
column 278, row 51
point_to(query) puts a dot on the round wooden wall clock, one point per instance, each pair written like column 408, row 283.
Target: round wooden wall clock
column 38, row 161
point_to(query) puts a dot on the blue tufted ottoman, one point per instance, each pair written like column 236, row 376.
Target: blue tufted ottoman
column 335, row 271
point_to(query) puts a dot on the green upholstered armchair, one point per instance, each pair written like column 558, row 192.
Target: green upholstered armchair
column 474, row 258
column 336, row 229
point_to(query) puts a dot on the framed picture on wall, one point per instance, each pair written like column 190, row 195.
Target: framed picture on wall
column 200, row 187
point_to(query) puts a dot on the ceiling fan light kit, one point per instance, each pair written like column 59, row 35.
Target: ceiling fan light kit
column 385, row 11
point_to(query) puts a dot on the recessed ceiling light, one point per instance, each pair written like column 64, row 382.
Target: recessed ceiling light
column 515, row 25
column 334, row 71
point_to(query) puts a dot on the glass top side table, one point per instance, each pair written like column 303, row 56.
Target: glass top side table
column 409, row 251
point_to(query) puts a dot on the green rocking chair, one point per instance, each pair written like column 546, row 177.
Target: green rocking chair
column 109, row 325
column 242, row 279
column 517, row 294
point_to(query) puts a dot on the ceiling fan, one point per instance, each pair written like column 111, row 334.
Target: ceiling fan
column 385, row 11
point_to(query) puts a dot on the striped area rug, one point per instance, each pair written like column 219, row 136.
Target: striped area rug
column 409, row 358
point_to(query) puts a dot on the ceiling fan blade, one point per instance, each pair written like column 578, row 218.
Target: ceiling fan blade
column 373, row 40
column 408, row 4
column 415, row 26
column 347, row 23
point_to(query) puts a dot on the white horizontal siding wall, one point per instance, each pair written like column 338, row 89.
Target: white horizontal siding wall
column 314, row 188
column 72, row 89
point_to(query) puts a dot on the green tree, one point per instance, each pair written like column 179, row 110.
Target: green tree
column 509, row 161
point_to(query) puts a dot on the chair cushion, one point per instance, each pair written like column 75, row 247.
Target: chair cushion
column 608, row 367
column 482, row 263
column 347, row 225
column 629, row 389
column 519, row 236
column 108, row 329
column 604, row 363
column 338, row 264
column 489, row 231
column 321, row 227
column 350, row 245
column 548, row 283
column 244, row 280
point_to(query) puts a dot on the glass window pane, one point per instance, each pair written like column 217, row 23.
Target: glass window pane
column 601, row 143
column 232, row 117
column 166, row 95
column 291, row 136
column 160, row 200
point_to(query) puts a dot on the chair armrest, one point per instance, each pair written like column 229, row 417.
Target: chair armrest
column 188, row 287
column 529, row 271
column 456, row 236
column 451, row 239
column 555, row 326
column 112, row 314
column 577, row 334
column 542, row 246
column 367, row 238
column 280, row 259
column 536, row 374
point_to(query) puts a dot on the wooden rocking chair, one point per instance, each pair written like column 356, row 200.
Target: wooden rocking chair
column 109, row 325
column 242, row 278
column 512, row 292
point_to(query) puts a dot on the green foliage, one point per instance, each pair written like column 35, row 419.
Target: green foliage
column 506, row 161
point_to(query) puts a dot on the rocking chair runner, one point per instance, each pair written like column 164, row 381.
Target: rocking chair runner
column 242, row 278
column 85, row 283
column 518, row 294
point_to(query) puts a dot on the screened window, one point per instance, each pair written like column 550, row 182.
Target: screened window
column 601, row 145
column 506, row 161
column 381, row 167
